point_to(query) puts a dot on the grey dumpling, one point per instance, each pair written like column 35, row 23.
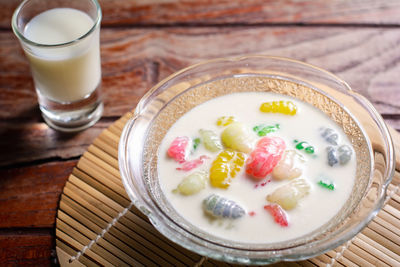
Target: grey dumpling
column 221, row 207
column 330, row 135
column 344, row 153
column 340, row 155
column 332, row 156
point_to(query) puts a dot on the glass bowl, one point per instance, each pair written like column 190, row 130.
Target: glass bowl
column 177, row 94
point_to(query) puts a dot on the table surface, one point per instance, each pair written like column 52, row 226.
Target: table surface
column 144, row 41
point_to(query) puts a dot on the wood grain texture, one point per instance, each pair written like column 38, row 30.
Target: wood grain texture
column 366, row 58
column 26, row 248
column 220, row 12
column 134, row 60
column 29, row 196
column 35, row 141
column 208, row 12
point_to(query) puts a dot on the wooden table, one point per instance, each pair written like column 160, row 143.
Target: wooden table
column 145, row 41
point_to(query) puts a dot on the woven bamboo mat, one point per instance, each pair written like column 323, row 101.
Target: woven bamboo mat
column 97, row 225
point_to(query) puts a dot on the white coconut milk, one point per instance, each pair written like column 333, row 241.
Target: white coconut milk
column 313, row 211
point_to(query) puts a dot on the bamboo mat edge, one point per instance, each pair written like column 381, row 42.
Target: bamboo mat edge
column 96, row 224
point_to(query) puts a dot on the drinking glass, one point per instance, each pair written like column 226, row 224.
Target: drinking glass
column 60, row 38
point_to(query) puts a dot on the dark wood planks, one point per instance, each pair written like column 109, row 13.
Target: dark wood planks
column 134, row 60
column 29, row 196
column 36, row 142
column 207, row 12
column 27, row 247
column 221, row 12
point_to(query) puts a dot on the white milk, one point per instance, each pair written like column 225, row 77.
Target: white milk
column 67, row 73
column 314, row 210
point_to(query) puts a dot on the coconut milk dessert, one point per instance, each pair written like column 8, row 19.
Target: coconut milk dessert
column 256, row 167
column 69, row 73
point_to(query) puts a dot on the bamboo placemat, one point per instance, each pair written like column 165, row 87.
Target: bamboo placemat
column 97, row 225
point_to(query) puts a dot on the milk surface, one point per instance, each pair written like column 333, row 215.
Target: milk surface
column 313, row 211
column 66, row 73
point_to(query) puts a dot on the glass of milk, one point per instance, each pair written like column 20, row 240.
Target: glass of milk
column 61, row 41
